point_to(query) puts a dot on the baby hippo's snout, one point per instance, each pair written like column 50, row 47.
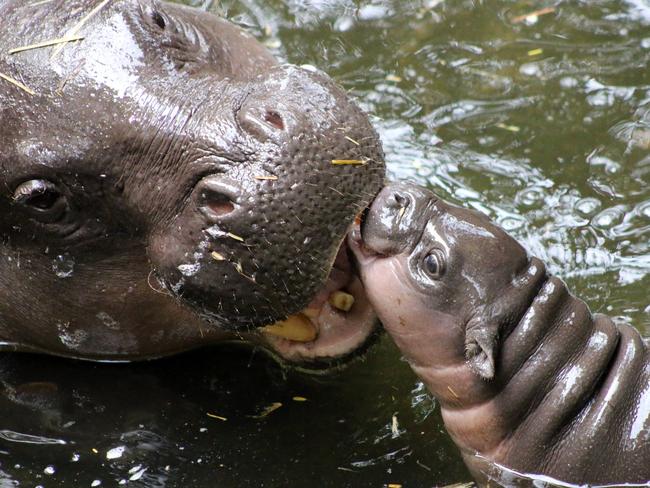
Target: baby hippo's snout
column 396, row 218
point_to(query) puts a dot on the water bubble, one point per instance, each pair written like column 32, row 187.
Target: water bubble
column 530, row 69
column 49, row 470
column 63, row 266
column 512, row 223
column 568, row 82
column 644, row 209
column 587, row 207
column 530, row 197
column 608, row 218
column 115, row 453
column 96, row 483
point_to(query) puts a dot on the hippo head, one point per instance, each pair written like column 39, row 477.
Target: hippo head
column 444, row 280
column 163, row 178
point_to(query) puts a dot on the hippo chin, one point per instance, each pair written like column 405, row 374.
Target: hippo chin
column 165, row 183
column 526, row 376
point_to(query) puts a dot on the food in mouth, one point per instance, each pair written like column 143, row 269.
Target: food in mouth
column 337, row 323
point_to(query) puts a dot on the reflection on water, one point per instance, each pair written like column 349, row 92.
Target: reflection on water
column 542, row 121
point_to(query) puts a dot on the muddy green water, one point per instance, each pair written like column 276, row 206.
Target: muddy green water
column 542, row 123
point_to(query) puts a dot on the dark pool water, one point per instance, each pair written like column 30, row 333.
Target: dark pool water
column 542, row 122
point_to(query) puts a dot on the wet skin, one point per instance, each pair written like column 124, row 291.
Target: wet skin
column 527, row 377
column 168, row 184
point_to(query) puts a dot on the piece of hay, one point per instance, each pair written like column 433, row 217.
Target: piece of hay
column 38, row 45
column 75, row 30
column 17, row 83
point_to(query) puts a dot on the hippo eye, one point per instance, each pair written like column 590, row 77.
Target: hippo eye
column 41, row 198
column 434, row 263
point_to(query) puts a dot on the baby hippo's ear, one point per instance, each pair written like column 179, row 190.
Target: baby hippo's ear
column 480, row 347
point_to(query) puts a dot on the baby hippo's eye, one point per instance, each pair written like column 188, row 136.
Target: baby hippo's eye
column 41, row 199
column 434, row 263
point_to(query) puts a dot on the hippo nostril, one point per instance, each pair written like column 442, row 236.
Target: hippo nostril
column 401, row 200
column 219, row 205
column 217, row 196
column 275, row 119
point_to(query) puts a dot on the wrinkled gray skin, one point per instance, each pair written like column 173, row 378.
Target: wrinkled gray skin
column 165, row 135
column 526, row 376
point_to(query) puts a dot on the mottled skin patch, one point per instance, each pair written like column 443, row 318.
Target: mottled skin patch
column 164, row 136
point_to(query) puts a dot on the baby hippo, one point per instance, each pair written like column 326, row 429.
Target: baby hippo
column 526, row 376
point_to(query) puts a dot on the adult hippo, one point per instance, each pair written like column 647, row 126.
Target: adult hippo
column 526, row 376
column 165, row 183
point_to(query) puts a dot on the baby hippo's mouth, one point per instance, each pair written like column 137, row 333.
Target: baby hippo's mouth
column 337, row 325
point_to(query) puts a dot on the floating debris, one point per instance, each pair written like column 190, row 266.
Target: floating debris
column 351, row 162
column 235, row 236
column 394, row 78
column 17, row 83
column 535, row 52
column 267, row 178
column 511, row 128
column 218, row 417
column 42, row 2
column 394, row 485
column 532, row 16
column 52, row 42
column 394, row 426
column 268, row 410
column 352, row 140
column 299, row 399
column 461, row 485
column 75, row 30
column 217, row 256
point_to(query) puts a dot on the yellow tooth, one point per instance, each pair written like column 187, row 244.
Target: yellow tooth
column 341, row 300
column 296, row 328
column 312, row 313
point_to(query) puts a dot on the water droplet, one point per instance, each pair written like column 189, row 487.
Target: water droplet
column 644, row 209
column 530, row 197
column 587, row 207
column 116, row 452
column 608, row 218
column 63, row 265
column 530, row 69
column 568, row 82
column 512, row 223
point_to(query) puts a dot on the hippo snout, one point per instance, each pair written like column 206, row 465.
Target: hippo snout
column 396, row 218
column 256, row 240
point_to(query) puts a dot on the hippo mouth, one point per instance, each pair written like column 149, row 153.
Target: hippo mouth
column 337, row 325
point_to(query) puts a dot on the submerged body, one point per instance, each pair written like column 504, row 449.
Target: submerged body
column 527, row 377
column 165, row 184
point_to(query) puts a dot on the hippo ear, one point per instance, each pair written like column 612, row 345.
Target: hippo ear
column 480, row 348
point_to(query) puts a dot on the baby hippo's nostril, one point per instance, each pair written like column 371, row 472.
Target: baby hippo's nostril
column 398, row 201
column 275, row 119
